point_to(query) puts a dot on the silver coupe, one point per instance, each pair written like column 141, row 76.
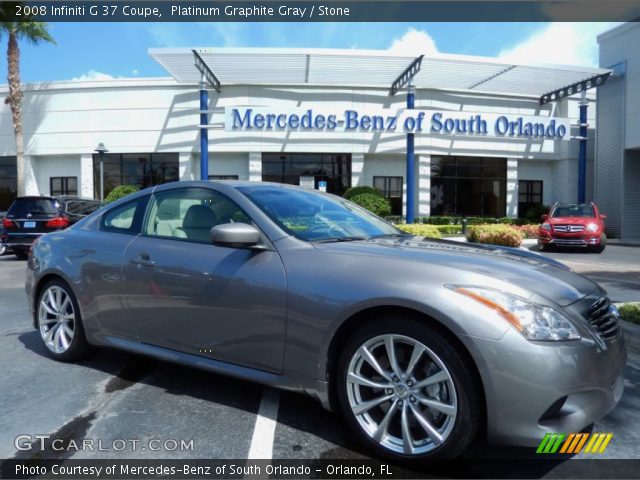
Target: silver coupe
column 421, row 344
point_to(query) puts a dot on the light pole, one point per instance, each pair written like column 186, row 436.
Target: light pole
column 101, row 149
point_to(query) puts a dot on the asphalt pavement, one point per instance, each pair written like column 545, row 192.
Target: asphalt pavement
column 116, row 396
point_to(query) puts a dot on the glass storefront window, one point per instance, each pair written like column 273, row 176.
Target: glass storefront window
column 140, row 169
column 8, row 181
column 468, row 186
column 335, row 169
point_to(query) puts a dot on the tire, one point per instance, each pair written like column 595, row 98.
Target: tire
column 21, row 254
column 603, row 244
column 59, row 322
column 456, row 391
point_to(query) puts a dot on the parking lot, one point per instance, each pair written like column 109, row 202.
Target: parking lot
column 115, row 395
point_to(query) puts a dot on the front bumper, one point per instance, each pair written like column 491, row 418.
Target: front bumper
column 538, row 388
column 569, row 240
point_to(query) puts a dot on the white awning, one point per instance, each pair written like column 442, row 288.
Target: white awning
column 367, row 68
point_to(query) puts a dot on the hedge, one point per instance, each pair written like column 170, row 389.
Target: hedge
column 374, row 203
column 528, row 231
column 495, row 235
column 450, row 229
column 630, row 312
column 420, row 230
column 457, row 220
column 354, row 191
column 119, row 192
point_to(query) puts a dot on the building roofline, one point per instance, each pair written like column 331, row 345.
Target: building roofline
column 617, row 30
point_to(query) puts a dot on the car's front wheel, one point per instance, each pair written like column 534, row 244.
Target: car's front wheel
column 407, row 392
column 21, row 254
column 59, row 322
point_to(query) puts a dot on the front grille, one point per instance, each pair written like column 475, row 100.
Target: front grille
column 604, row 319
column 568, row 242
column 569, row 228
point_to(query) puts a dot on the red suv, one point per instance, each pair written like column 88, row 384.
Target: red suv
column 573, row 225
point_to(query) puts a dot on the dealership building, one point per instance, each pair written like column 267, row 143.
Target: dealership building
column 485, row 137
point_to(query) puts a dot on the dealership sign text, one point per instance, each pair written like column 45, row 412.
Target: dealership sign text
column 429, row 122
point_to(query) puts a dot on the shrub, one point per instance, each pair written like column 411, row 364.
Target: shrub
column 449, row 229
column 528, row 231
column 119, row 192
column 630, row 312
column 420, row 230
column 395, row 219
column 495, row 235
column 534, row 213
column 354, row 191
column 441, row 220
column 374, row 203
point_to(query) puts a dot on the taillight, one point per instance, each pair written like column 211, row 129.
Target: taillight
column 6, row 223
column 58, row 222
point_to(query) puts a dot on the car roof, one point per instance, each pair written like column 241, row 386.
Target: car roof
column 37, row 197
column 65, row 198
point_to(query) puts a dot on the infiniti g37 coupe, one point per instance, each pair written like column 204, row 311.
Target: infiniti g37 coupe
column 420, row 344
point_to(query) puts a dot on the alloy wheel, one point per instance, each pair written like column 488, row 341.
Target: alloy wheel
column 56, row 319
column 401, row 394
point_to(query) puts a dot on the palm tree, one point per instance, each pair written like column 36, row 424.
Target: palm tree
column 33, row 32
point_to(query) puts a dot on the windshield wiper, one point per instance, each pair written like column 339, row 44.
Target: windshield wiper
column 392, row 235
column 341, row 239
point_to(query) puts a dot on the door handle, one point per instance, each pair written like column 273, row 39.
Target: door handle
column 143, row 261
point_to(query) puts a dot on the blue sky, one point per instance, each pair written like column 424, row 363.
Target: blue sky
column 103, row 50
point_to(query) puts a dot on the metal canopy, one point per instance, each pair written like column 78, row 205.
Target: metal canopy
column 367, row 68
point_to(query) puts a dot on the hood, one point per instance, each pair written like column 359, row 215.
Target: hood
column 527, row 270
column 573, row 220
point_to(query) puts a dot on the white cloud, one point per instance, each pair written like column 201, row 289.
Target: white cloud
column 413, row 43
column 135, row 71
column 563, row 43
column 93, row 75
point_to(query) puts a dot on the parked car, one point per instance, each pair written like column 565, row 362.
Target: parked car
column 30, row 217
column 420, row 344
column 573, row 225
column 76, row 208
column 3, row 248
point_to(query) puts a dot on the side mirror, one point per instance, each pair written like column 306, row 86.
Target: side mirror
column 544, row 217
column 235, row 235
column 603, row 216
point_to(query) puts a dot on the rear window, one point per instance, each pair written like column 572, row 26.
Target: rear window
column 22, row 207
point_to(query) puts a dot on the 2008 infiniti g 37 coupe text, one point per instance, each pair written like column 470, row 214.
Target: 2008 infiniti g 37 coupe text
column 420, row 344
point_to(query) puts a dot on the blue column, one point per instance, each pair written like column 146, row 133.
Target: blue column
column 204, row 134
column 411, row 182
column 582, row 154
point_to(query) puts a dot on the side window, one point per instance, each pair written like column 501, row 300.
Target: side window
column 190, row 213
column 126, row 218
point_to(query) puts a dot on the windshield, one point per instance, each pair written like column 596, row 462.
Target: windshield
column 573, row 211
column 312, row 216
column 22, row 207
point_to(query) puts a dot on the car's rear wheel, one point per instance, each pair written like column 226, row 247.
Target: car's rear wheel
column 59, row 322
column 21, row 254
column 406, row 392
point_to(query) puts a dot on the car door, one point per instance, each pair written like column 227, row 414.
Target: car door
column 189, row 295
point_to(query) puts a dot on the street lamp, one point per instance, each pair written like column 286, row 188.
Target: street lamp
column 101, row 149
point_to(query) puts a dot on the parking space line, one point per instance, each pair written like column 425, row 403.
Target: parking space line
column 265, row 428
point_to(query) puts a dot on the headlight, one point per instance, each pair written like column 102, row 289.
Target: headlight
column 592, row 227
column 533, row 321
column 546, row 226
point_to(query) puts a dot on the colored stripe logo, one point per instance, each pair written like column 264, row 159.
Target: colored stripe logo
column 574, row 443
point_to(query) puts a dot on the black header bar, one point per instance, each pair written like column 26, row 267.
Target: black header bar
column 325, row 11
